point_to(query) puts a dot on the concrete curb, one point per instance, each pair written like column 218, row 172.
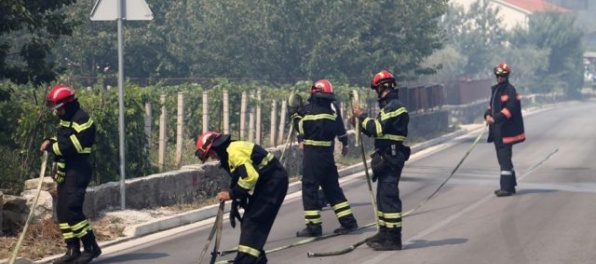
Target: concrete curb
column 211, row 210
column 158, row 225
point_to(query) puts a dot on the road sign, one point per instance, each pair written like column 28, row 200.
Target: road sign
column 107, row 10
column 119, row 10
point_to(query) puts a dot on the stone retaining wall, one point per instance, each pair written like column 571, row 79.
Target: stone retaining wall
column 468, row 113
column 196, row 182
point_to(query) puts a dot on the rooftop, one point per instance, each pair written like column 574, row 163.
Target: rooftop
column 536, row 6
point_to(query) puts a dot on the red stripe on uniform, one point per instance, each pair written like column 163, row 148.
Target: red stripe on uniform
column 518, row 138
column 506, row 112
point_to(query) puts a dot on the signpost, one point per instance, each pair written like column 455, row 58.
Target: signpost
column 110, row 10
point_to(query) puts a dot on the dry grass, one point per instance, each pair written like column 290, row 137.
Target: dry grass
column 42, row 239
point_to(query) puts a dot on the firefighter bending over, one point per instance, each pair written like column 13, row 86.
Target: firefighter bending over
column 259, row 185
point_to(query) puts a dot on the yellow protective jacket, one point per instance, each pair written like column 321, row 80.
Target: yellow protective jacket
column 247, row 163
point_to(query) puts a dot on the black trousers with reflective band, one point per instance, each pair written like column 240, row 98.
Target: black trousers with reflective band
column 507, row 179
column 389, row 205
column 319, row 170
column 260, row 214
column 71, row 196
column 504, row 155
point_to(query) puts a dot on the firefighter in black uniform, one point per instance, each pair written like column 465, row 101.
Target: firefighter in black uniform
column 318, row 124
column 72, row 171
column 390, row 129
column 259, row 185
column 506, row 126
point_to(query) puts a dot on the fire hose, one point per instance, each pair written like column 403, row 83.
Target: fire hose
column 44, row 161
column 359, row 243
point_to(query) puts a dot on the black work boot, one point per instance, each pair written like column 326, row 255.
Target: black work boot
column 507, row 183
column 71, row 255
column 390, row 240
column 348, row 224
column 503, row 193
column 311, row 230
column 378, row 237
column 342, row 230
column 91, row 251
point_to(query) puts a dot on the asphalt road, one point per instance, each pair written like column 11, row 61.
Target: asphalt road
column 550, row 220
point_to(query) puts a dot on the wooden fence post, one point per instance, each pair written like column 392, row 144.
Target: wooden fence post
column 162, row 134
column 258, row 118
column 205, row 111
column 251, row 119
column 179, row 128
column 273, row 126
column 226, row 112
column 148, row 119
column 282, row 122
column 242, row 115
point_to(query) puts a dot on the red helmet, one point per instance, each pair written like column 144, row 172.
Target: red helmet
column 502, row 70
column 322, row 86
column 381, row 78
column 204, row 144
column 59, row 96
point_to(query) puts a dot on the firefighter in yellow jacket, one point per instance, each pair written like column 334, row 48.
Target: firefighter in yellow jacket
column 71, row 148
column 259, row 185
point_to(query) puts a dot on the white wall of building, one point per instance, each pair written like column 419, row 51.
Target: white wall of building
column 511, row 16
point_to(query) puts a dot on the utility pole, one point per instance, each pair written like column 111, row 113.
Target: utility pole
column 119, row 10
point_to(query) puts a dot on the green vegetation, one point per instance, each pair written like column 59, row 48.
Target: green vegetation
column 545, row 55
column 27, row 123
column 279, row 46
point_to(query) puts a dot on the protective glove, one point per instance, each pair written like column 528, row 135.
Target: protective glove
column 234, row 214
column 377, row 164
column 295, row 105
column 59, row 170
column 407, row 152
column 344, row 151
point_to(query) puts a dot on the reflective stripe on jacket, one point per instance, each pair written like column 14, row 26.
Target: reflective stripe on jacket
column 505, row 107
column 246, row 162
column 74, row 137
column 391, row 124
column 320, row 124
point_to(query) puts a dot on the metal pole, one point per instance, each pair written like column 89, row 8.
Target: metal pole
column 121, row 104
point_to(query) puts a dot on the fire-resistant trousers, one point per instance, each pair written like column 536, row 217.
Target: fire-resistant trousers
column 319, row 170
column 71, row 195
column 507, row 179
column 389, row 205
column 260, row 214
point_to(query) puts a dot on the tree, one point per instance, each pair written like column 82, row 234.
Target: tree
column 526, row 61
column 28, row 31
column 451, row 64
column 276, row 41
column 556, row 33
column 477, row 34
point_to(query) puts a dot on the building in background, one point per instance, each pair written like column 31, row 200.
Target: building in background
column 517, row 12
